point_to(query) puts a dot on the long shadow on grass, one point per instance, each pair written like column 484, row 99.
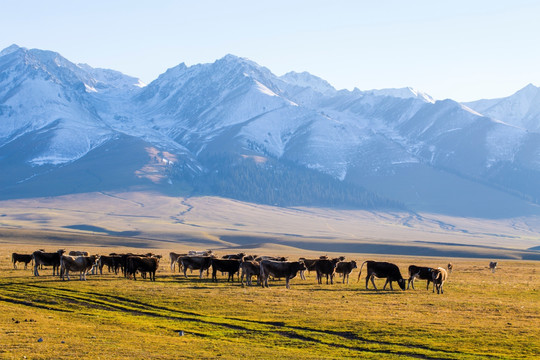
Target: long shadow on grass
column 137, row 307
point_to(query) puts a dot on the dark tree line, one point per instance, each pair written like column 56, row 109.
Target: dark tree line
column 277, row 183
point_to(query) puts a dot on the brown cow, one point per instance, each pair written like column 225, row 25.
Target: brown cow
column 174, row 259
column 143, row 265
column 345, row 268
column 439, row 277
column 250, row 268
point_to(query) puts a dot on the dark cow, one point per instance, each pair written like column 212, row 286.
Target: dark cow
column 450, row 267
column 25, row 258
column 419, row 272
column 382, row 270
column 493, row 266
column 143, row 265
column 345, row 268
column 249, row 268
column 82, row 264
column 325, row 267
column 78, row 253
column 238, row 256
column 310, row 265
column 439, row 276
column 200, row 263
column 230, row 266
column 113, row 262
column 279, row 269
column 47, row 259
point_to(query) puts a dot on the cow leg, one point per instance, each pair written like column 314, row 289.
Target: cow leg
column 332, row 279
column 386, row 283
column 391, row 288
column 287, row 283
column 373, row 282
column 427, row 286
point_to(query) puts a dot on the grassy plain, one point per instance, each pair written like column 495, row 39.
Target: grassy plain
column 481, row 315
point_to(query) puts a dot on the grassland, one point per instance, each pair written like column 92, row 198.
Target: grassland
column 481, row 315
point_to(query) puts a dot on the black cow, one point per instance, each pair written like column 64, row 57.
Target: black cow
column 325, row 267
column 143, row 265
column 279, row 269
column 382, row 270
column 25, row 258
column 47, row 259
column 230, row 266
column 200, row 263
column 419, row 272
column 238, row 256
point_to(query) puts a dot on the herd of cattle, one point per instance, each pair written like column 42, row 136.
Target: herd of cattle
column 245, row 266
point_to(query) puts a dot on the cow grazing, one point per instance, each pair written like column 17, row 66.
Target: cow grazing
column 493, row 266
column 78, row 253
column 450, row 267
column 230, row 266
column 249, row 268
column 419, row 272
column 439, row 276
column 174, row 259
column 24, row 258
column 382, row 270
column 325, row 267
column 200, row 263
column 47, row 259
column 82, row 264
column 279, row 269
column 143, row 265
column 345, row 268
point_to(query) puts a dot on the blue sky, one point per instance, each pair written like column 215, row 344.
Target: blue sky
column 464, row 50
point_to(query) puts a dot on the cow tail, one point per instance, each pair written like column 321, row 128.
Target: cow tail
column 360, row 273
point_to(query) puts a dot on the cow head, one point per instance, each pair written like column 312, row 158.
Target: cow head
column 301, row 266
column 401, row 283
column 61, row 251
column 353, row 264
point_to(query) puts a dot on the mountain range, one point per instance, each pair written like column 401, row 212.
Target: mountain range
column 233, row 128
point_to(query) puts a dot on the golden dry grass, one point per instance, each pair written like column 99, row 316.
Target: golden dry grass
column 481, row 315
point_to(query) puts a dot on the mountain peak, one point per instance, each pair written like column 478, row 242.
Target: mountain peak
column 11, row 49
column 404, row 93
column 305, row 79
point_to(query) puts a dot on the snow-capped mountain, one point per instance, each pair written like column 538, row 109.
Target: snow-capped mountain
column 521, row 109
column 63, row 121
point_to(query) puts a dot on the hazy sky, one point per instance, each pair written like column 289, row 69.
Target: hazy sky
column 464, row 50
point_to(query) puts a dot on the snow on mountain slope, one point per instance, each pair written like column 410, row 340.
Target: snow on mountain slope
column 66, row 112
column 521, row 109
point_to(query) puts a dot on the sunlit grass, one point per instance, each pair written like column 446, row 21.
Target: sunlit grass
column 481, row 315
